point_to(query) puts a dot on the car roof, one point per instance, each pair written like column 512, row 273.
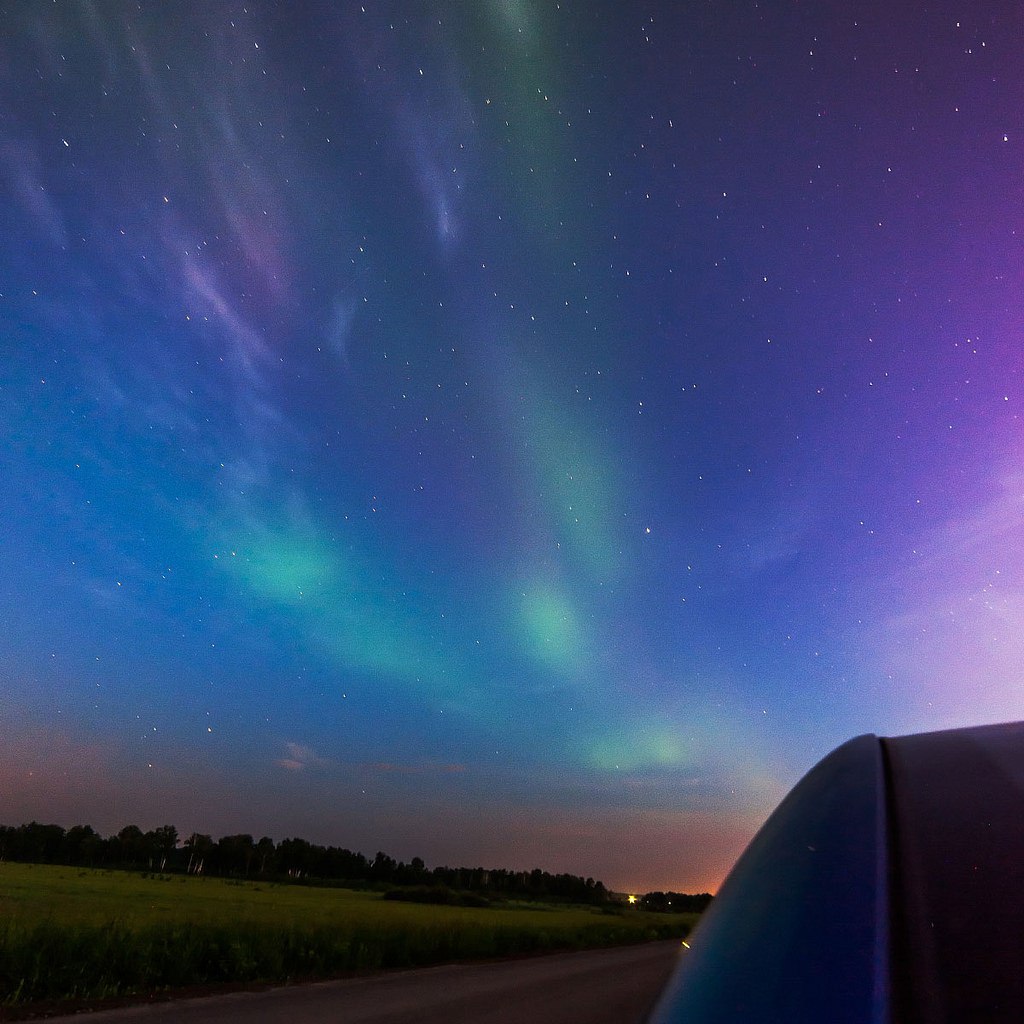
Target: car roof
column 887, row 886
column 956, row 840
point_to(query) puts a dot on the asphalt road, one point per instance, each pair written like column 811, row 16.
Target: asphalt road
column 607, row 986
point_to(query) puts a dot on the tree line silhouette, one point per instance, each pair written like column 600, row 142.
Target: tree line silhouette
column 296, row 860
column 299, row 861
column 675, row 902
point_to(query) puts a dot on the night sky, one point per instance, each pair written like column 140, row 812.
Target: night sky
column 505, row 432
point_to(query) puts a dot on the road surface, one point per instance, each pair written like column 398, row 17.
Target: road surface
column 606, row 986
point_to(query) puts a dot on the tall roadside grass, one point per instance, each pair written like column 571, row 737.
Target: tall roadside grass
column 48, row 961
column 70, row 934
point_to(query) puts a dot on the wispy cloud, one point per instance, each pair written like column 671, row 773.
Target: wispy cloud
column 433, row 123
column 21, row 166
column 204, row 288
column 945, row 635
column 339, row 328
column 300, row 758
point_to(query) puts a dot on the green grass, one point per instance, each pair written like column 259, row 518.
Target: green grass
column 68, row 933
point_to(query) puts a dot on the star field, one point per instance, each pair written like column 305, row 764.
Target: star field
column 520, row 433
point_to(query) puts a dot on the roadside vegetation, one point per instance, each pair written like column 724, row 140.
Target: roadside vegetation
column 88, row 935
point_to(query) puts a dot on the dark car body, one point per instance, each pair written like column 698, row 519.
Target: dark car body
column 888, row 886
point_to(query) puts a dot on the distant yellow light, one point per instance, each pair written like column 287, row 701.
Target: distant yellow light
column 686, row 944
column 631, row 898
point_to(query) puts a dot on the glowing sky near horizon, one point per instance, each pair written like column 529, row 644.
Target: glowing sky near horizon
column 519, row 433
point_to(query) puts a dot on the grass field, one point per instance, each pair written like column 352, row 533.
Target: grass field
column 69, row 933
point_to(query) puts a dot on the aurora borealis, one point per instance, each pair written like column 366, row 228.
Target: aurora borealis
column 516, row 432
